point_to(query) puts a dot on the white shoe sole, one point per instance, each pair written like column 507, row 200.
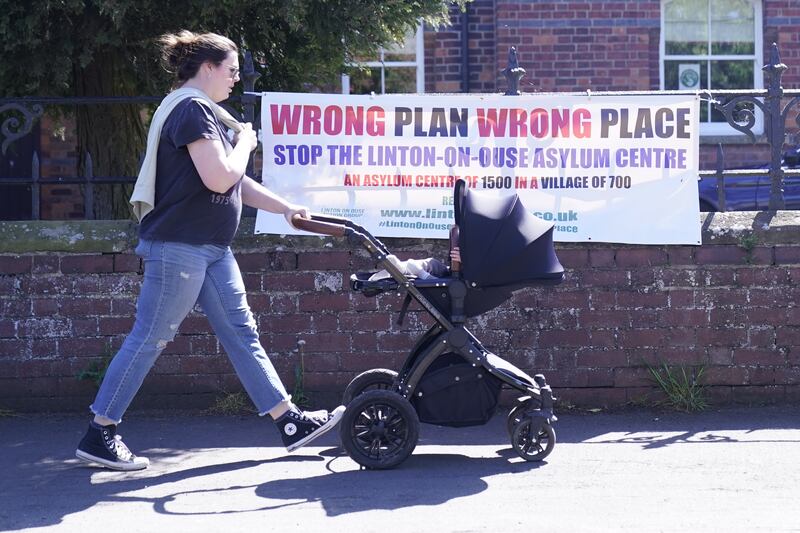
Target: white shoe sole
column 336, row 416
column 141, row 463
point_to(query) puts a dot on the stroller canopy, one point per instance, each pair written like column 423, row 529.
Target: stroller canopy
column 501, row 242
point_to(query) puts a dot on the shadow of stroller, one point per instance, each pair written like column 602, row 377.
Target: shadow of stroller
column 446, row 477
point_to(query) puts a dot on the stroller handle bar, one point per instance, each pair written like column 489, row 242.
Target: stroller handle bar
column 317, row 226
column 339, row 227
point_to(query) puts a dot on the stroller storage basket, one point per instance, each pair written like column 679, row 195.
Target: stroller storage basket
column 455, row 393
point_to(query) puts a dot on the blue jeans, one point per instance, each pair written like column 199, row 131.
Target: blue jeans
column 176, row 276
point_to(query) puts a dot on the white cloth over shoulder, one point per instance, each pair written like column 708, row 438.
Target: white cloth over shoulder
column 144, row 192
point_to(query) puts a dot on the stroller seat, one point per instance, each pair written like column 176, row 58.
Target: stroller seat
column 368, row 285
column 364, row 283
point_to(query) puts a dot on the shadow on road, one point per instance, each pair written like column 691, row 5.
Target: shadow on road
column 423, row 479
column 42, row 484
column 446, row 476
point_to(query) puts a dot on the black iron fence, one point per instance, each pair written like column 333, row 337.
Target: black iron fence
column 737, row 106
column 19, row 116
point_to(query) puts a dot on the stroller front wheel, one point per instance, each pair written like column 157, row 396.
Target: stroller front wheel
column 379, row 429
column 533, row 441
column 515, row 416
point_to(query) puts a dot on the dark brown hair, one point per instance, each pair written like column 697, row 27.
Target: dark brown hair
column 183, row 53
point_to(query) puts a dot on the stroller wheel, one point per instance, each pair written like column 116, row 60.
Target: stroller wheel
column 532, row 444
column 379, row 429
column 514, row 417
column 377, row 378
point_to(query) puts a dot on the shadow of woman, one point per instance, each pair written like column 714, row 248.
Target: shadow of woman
column 67, row 479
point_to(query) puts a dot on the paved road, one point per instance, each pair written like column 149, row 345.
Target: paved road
column 728, row 470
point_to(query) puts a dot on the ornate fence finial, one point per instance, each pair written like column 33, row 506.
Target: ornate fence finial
column 513, row 73
column 12, row 129
column 775, row 66
column 249, row 74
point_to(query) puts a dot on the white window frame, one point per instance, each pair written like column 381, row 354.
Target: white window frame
column 382, row 64
column 722, row 128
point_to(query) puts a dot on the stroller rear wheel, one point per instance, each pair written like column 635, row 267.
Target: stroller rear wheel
column 377, row 378
column 379, row 429
column 533, row 443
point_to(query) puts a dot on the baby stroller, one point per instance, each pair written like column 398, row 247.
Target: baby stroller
column 449, row 378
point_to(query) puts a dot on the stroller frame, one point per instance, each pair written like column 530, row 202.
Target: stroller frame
column 529, row 423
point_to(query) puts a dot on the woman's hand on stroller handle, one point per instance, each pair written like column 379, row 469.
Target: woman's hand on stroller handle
column 293, row 210
column 307, row 223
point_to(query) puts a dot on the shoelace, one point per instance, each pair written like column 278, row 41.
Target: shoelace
column 120, row 449
column 319, row 417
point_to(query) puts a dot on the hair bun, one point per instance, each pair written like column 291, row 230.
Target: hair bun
column 182, row 53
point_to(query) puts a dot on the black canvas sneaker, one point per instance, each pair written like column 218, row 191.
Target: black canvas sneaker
column 103, row 446
column 298, row 428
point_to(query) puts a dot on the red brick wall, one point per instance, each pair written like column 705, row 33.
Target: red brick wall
column 443, row 52
column 574, row 46
column 718, row 305
column 59, row 160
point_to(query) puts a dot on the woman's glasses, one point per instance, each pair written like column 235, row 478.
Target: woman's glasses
column 233, row 70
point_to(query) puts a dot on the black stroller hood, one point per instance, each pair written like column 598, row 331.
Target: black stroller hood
column 501, row 242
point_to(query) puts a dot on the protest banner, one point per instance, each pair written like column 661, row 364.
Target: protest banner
column 602, row 168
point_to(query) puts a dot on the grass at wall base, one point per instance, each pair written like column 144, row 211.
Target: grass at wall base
column 681, row 386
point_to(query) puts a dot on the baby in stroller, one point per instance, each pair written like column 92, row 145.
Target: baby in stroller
column 427, row 268
column 449, row 378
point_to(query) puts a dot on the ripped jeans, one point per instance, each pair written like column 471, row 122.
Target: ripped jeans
column 176, row 276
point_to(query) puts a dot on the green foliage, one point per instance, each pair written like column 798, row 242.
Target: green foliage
column 748, row 244
column 95, row 371
column 299, row 396
column 88, row 48
column 48, row 48
column 232, row 403
column 681, row 386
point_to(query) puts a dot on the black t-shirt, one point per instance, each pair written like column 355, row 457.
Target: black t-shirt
column 185, row 209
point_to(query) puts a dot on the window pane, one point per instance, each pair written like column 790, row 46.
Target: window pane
column 365, row 81
column 405, row 51
column 396, row 79
column 686, row 27
column 401, row 79
column 671, row 82
column 732, row 27
column 731, row 75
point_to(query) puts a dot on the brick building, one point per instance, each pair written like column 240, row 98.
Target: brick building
column 622, row 45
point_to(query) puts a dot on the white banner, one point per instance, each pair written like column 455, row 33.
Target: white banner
column 602, row 168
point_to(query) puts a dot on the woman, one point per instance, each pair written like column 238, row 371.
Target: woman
column 196, row 184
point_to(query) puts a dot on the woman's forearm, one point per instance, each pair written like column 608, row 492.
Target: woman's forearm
column 256, row 195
